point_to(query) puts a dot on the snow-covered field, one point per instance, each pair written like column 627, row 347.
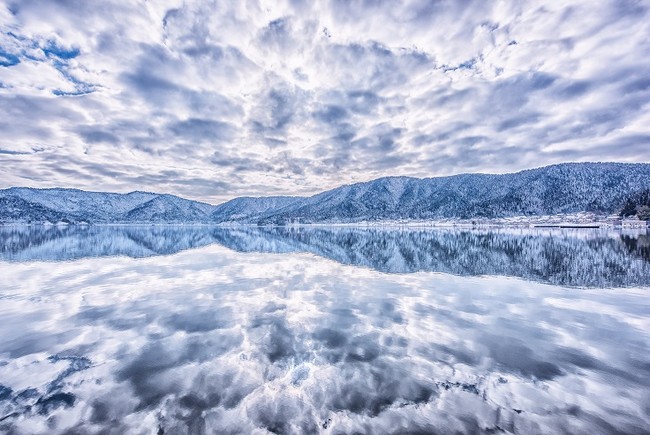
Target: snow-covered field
column 583, row 219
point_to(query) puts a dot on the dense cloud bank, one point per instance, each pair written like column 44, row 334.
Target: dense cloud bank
column 216, row 99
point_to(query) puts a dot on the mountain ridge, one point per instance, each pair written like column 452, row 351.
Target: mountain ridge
column 555, row 189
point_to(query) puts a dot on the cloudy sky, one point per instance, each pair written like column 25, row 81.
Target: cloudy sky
column 214, row 99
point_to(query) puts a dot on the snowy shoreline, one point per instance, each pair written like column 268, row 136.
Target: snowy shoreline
column 561, row 221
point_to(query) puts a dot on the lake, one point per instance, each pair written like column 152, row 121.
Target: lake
column 254, row 330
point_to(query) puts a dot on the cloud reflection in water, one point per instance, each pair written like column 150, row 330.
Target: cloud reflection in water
column 213, row 340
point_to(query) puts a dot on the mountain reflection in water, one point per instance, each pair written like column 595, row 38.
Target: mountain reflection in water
column 569, row 257
column 239, row 332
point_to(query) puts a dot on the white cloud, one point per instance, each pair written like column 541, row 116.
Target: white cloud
column 294, row 97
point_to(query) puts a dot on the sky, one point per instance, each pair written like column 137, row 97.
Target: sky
column 211, row 100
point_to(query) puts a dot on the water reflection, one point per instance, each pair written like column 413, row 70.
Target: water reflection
column 212, row 340
column 585, row 258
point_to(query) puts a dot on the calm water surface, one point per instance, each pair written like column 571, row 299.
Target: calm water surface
column 323, row 330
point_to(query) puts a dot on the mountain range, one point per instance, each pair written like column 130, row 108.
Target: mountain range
column 557, row 189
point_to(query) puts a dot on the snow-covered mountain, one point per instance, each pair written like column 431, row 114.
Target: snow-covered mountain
column 565, row 188
column 557, row 189
column 246, row 208
column 170, row 209
column 21, row 204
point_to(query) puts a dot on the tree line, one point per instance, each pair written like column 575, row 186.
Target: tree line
column 638, row 205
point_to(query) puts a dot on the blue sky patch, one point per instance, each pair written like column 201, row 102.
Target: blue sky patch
column 8, row 59
column 51, row 49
